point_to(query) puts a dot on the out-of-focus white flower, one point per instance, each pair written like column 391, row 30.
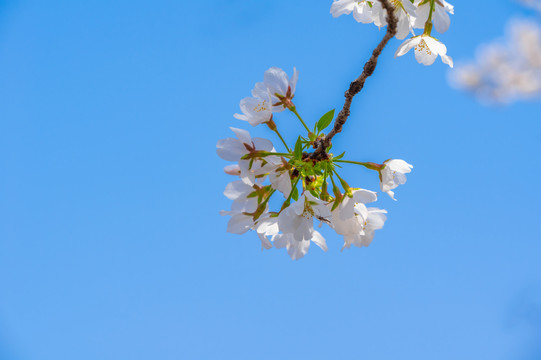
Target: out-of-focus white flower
column 280, row 87
column 505, row 71
column 440, row 17
column 257, row 109
column 534, row 4
column 393, row 174
column 298, row 248
column 427, row 50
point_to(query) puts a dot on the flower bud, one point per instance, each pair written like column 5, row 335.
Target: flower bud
column 232, row 170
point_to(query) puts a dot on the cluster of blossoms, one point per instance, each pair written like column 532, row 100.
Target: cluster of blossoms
column 301, row 179
column 506, row 71
column 411, row 14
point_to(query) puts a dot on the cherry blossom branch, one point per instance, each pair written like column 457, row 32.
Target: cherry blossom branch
column 357, row 85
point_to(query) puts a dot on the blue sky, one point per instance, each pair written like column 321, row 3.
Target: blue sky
column 111, row 246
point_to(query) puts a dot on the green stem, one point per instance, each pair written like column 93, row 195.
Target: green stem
column 277, row 154
column 428, row 24
column 344, row 184
column 332, row 180
column 368, row 165
column 432, row 6
column 268, row 197
column 291, row 193
column 351, row 162
column 302, row 121
column 281, row 138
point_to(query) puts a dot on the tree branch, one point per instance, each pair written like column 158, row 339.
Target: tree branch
column 357, row 85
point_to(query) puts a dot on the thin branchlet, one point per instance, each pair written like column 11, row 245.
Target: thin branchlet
column 356, row 86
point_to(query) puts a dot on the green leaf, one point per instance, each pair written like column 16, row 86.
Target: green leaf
column 325, row 121
column 295, row 195
column 339, row 156
column 337, row 202
column 298, row 149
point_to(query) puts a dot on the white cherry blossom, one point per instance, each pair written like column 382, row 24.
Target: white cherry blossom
column 297, row 219
column 241, row 221
column 369, row 220
column 349, row 217
column 298, row 248
column 345, row 209
column 280, row 179
column 232, row 149
column 241, row 212
column 393, row 174
column 280, row 87
column 238, row 191
column 404, row 12
column 362, row 10
column 427, row 50
column 440, row 16
column 258, row 108
column 372, row 12
column 267, row 225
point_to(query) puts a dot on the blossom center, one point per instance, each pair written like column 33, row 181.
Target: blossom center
column 261, row 107
column 423, row 47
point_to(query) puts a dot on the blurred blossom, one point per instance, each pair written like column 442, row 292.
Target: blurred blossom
column 535, row 4
column 508, row 70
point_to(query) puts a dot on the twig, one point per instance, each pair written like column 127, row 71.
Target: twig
column 357, row 85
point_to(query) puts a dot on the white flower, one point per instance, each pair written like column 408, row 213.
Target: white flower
column 267, row 225
column 297, row 219
column 257, row 109
column 238, row 190
column 295, row 248
column 404, row 12
column 345, row 209
column 348, row 218
column 427, row 50
column 393, row 174
column 280, row 87
column 440, row 17
column 280, row 179
column 362, row 11
column 241, row 221
column 369, row 220
column 234, row 149
column 242, row 206
column 242, row 210
column 372, row 11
